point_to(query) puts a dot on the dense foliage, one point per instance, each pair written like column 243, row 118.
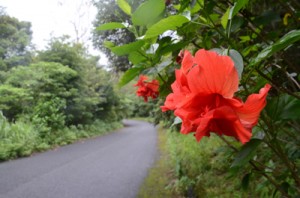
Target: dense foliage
column 15, row 38
column 262, row 39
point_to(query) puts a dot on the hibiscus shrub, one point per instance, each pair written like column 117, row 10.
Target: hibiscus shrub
column 224, row 67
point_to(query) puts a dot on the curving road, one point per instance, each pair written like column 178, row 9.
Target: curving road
column 111, row 166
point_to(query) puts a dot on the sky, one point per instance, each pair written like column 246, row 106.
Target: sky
column 53, row 18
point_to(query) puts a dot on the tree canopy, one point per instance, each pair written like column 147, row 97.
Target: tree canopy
column 15, row 40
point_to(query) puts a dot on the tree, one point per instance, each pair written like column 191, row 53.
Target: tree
column 15, row 38
column 93, row 92
column 108, row 11
column 26, row 86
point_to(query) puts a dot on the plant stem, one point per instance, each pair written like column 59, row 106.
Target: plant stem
column 282, row 89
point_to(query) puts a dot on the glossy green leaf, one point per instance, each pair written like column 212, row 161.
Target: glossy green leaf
column 245, row 39
column 237, row 7
column 159, row 67
column 224, row 19
column 148, row 12
column 129, row 75
column 238, row 61
column 164, row 64
column 108, row 44
column 284, row 107
column 231, row 12
column 236, row 24
column 198, row 5
column 246, row 153
column 110, row 26
column 135, row 58
column 170, row 23
column 285, row 41
column 127, row 48
column 177, row 120
column 174, row 47
column 124, row 6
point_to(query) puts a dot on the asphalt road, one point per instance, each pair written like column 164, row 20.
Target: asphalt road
column 111, row 166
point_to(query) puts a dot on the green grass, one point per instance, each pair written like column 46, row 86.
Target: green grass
column 159, row 176
column 146, row 119
column 187, row 168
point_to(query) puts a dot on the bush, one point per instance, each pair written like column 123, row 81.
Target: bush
column 201, row 168
column 48, row 116
column 16, row 139
column 22, row 137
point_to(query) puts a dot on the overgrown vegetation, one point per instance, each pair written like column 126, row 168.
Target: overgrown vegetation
column 22, row 137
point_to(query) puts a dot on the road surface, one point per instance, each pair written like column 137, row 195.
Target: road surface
column 111, row 166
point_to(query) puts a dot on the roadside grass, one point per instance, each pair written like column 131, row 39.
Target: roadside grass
column 187, row 168
column 159, row 176
column 146, row 119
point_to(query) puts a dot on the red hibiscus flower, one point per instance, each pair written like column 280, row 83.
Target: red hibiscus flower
column 147, row 89
column 203, row 97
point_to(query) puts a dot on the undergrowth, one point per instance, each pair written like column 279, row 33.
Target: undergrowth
column 22, row 138
column 186, row 168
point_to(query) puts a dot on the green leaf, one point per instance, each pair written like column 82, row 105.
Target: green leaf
column 124, row 6
column 174, row 47
column 238, row 61
column 129, row 75
column 135, row 58
column 245, row 39
column 161, row 66
column 164, row 64
column 110, row 26
column 231, row 12
column 177, row 120
column 108, row 44
column 284, row 107
column 199, row 4
column 246, row 181
column 246, row 153
column 284, row 42
column 148, row 12
column 236, row 24
column 237, row 7
column 224, row 19
column 127, row 48
column 170, row 23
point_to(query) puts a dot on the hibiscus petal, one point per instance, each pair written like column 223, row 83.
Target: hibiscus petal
column 213, row 74
column 169, row 103
column 254, row 104
column 204, row 126
column 141, row 80
column 222, row 121
column 187, row 62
